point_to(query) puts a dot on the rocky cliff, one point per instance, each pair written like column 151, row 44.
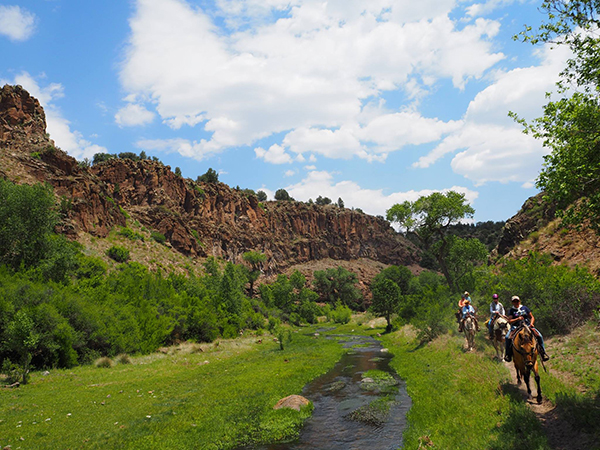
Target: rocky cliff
column 536, row 228
column 197, row 219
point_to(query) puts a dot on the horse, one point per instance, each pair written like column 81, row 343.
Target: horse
column 525, row 358
column 500, row 328
column 469, row 330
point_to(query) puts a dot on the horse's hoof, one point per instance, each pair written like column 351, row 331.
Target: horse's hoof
column 539, row 400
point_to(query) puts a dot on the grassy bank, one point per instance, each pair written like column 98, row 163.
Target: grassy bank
column 468, row 401
column 460, row 400
column 204, row 397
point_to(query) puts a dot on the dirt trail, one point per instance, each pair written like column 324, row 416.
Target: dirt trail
column 561, row 434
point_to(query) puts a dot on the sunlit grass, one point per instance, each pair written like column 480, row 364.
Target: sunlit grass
column 216, row 398
column 460, row 400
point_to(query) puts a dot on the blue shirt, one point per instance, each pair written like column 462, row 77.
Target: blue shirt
column 466, row 310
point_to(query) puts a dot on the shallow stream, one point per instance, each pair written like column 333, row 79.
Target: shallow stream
column 360, row 404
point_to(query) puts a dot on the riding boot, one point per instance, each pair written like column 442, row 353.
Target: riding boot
column 541, row 346
column 508, row 352
column 542, row 351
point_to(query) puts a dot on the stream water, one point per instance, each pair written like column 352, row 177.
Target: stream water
column 360, row 404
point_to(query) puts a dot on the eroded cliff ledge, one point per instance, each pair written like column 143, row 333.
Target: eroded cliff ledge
column 197, row 219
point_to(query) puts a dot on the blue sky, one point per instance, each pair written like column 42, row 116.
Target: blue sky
column 376, row 101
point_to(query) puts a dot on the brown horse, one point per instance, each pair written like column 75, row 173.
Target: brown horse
column 499, row 330
column 525, row 358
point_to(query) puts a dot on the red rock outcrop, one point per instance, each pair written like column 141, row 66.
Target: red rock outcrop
column 533, row 215
column 198, row 219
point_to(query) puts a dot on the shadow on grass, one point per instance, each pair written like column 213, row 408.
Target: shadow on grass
column 520, row 428
column 582, row 412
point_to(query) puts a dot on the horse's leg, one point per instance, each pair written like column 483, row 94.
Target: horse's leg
column 518, row 375
column 537, row 382
column 526, row 377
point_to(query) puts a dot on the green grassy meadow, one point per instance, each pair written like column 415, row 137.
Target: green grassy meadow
column 221, row 396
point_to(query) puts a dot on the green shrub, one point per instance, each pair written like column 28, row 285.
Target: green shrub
column 123, row 358
column 130, row 234
column 118, row 253
column 211, row 176
column 36, row 155
column 102, row 157
column 105, row 362
column 158, row 237
column 341, row 314
column 13, row 372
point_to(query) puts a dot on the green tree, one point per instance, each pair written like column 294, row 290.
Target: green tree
column 464, row 255
column 323, row 201
column 255, row 260
column 262, row 196
column 337, row 284
column 570, row 127
column 118, row 253
column 428, row 218
column 232, row 294
column 102, row 157
column 400, row 275
column 386, row 299
column 340, row 202
column 211, row 176
column 21, row 342
column 27, row 220
column 282, row 195
column 178, row 172
column 129, row 155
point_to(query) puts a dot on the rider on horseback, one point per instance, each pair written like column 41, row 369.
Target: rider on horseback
column 517, row 315
column 466, row 310
column 496, row 309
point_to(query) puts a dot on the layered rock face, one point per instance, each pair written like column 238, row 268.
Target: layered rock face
column 27, row 155
column 198, row 219
column 213, row 219
column 533, row 214
column 21, row 116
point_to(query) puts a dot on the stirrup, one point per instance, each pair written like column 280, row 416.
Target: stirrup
column 545, row 357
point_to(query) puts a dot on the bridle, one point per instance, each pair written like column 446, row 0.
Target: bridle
column 527, row 356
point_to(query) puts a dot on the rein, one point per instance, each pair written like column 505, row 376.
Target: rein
column 534, row 347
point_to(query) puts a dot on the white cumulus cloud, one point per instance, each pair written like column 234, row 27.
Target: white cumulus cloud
column 134, row 115
column 301, row 67
column 16, row 23
column 489, row 146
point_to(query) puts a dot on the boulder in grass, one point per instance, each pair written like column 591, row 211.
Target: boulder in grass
column 292, row 401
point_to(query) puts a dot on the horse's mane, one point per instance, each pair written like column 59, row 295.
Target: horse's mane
column 524, row 333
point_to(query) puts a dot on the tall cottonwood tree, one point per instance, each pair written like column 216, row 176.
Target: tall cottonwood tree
column 428, row 218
